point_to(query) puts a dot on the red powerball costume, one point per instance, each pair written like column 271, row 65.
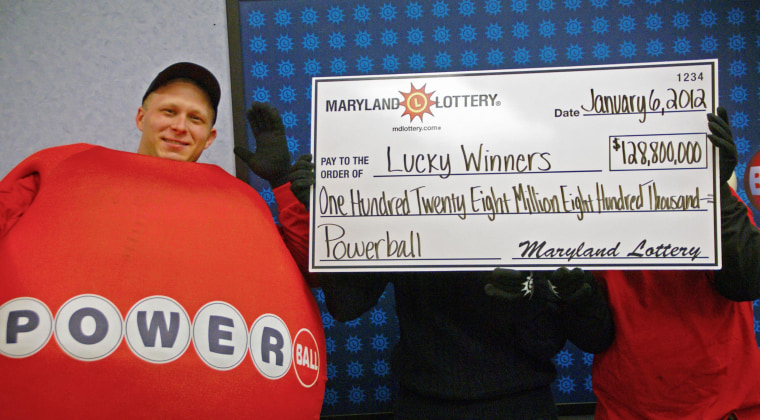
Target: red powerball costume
column 139, row 287
column 685, row 346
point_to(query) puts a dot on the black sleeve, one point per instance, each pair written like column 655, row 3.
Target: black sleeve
column 349, row 295
column 739, row 279
column 587, row 321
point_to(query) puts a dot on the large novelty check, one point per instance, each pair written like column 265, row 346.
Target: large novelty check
column 591, row 167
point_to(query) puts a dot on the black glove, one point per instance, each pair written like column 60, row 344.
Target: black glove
column 561, row 285
column 571, row 286
column 271, row 161
column 722, row 138
column 509, row 284
column 513, row 285
column 302, row 178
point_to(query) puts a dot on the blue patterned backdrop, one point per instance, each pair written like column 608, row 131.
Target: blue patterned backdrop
column 283, row 44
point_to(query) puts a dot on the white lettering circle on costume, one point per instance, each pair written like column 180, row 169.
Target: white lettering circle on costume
column 220, row 335
column 157, row 329
column 26, row 325
column 88, row 327
column 306, row 358
column 271, row 347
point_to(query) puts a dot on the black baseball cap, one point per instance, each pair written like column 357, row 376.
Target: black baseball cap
column 198, row 74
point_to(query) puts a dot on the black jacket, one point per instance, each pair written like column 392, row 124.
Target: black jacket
column 458, row 343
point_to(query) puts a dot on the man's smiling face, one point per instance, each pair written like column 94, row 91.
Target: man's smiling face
column 176, row 121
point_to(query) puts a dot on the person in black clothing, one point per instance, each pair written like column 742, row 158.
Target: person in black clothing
column 468, row 353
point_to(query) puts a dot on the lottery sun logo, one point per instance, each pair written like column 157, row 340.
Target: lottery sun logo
column 417, row 102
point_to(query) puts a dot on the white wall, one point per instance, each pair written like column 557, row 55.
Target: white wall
column 75, row 71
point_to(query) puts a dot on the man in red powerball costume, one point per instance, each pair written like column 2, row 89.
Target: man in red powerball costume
column 151, row 286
